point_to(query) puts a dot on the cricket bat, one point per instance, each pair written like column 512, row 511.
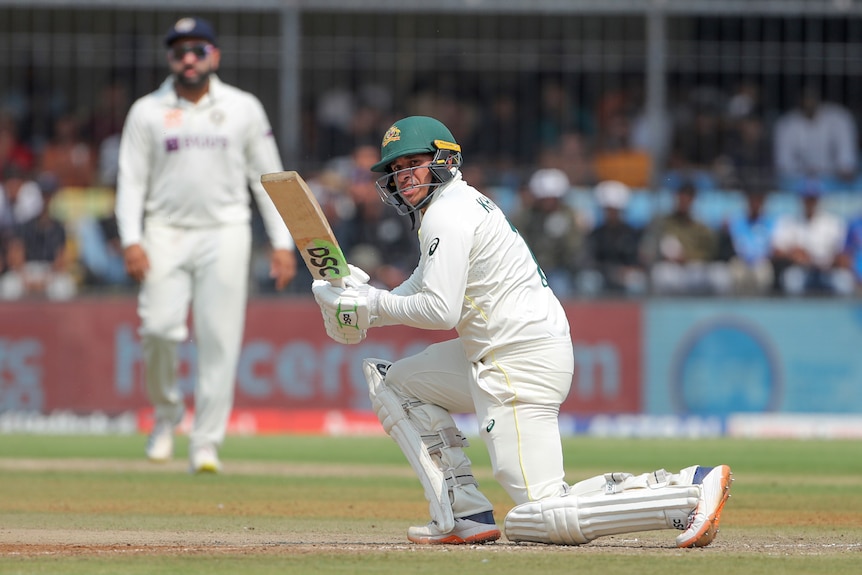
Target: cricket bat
column 308, row 225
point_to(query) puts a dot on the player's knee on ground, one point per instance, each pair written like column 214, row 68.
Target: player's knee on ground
column 605, row 505
column 433, row 444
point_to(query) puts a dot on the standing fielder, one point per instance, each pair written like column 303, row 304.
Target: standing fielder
column 188, row 153
column 512, row 365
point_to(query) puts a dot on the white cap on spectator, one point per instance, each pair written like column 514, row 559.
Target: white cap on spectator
column 549, row 183
column 612, row 194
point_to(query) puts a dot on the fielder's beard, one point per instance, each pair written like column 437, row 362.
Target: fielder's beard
column 193, row 82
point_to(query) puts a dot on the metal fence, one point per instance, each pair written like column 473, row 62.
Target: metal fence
column 320, row 66
column 639, row 90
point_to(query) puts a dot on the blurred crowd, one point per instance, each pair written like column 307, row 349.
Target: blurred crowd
column 611, row 240
column 573, row 179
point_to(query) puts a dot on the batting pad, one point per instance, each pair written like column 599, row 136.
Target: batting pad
column 391, row 414
column 577, row 519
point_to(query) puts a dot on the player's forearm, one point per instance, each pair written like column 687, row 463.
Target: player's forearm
column 424, row 310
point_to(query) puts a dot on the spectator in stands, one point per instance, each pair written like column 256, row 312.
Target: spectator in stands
column 816, row 139
column 552, row 229
column 499, row 141
column 616, row 158
column 558, row 113
column 851, row 256
column 68, row 160
column 375, row 238
column 612, row 257
column 37, row 259
column 3, row 249
column 697, row 145
column 744, row 101
column 20, row 197
column 748, row 238
column 333, row 114
column 100, row 252
column 104, row 130
column 12, row 149
column 682, row 252
column 806, row 249
column 108, row 161
column 572, row 157
column 747, row 153
column 110, row 112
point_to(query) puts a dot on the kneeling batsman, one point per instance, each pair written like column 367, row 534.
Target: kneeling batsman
column 690, row 501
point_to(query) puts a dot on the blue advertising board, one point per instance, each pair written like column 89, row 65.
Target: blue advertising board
column 718, row 357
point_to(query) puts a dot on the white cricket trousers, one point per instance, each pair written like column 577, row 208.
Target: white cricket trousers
column 207, row 269
column 516, row 395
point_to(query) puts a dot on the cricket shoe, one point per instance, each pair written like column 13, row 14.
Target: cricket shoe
column 160, row 445
column 704, row 520
column 477, row 528
column 204, row 459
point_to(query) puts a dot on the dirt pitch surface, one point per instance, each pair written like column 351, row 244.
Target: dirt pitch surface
column 22, row 542
column 84, row 542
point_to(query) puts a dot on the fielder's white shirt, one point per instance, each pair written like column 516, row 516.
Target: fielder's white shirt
column 190, row 164
column 475, row 274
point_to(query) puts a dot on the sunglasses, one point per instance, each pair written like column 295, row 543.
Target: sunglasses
column 200, row 51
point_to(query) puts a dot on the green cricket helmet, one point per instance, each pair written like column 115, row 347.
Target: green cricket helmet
column 416, row 135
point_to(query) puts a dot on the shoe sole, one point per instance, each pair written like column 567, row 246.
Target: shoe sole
column 205, row 468
column 452, row 539
column 712, row 524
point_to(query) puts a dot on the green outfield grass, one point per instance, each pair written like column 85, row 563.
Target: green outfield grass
column 296, row 504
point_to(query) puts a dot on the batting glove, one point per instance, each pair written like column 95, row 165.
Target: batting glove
column 352, row 307
column 356, row 278
column 345, row 335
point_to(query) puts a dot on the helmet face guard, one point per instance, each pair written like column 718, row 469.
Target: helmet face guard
column 411, row 136
column 442, row 168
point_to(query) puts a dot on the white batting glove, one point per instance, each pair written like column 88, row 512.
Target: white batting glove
column 335, row 331
column 345, row 335
column 354, row 308
column 356, row 278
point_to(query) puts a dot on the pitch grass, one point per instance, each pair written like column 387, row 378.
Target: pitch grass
column 308, row 505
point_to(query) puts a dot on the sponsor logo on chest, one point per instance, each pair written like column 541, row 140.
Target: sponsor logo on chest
column 202, row 141
column 196, row 142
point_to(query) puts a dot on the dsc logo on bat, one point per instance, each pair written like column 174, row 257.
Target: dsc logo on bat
column 326, row 260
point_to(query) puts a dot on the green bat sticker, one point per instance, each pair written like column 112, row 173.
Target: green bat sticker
column 326, row 260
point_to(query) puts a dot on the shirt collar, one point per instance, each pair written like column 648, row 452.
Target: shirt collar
column 169, row 96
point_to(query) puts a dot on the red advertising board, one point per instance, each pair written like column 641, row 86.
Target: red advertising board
column 84, row 356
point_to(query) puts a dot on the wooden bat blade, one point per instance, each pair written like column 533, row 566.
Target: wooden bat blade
column 308, row 225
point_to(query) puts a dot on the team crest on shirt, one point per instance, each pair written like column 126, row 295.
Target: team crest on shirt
column 217, row 117
column 173, row 118
column 393, row 134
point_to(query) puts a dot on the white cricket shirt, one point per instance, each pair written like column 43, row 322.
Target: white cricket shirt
column 475, row 274
column 191, row 164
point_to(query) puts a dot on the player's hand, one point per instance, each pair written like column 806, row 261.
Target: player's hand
column 282, row 267
column 352, row 307
column 342, row 334
column 356, row 278
column 137, row 262
column 345, row 335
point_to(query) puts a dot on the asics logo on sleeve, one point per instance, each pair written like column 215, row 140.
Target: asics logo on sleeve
column 486, row 203
column 433, row 247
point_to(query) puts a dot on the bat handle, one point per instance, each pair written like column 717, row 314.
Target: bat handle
column 337, row 282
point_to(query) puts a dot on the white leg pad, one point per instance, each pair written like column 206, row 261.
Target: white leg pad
column 574, row 519
column 387, row 405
